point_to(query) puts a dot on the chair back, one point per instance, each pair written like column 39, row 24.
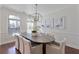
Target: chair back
column 16, row 42
column 27, row 46
column 21, row 47
column 56, row 49
column 62, row 45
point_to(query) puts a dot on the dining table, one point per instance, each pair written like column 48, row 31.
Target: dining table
column 40, row 38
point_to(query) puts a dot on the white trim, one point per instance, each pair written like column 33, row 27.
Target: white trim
column 7, row 42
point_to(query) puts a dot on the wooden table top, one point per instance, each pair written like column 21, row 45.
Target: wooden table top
column 40, row 38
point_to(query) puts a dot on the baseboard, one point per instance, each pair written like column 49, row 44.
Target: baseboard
column 7, row 42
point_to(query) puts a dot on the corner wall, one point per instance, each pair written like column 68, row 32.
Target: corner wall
column 4, row 35
column 71, row 29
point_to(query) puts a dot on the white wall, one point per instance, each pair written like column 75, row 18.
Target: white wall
column 71, row 30
column 0, row 25
column 5, row 12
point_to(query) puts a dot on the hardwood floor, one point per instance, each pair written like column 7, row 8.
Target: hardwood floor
column 70, row 50
column 10, row 49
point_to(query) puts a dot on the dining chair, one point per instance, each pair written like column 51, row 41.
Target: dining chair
column 30, row 49
column 16, row 42
column 55, row 48
column 21, row 44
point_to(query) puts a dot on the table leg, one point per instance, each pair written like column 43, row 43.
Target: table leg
column 44, row 48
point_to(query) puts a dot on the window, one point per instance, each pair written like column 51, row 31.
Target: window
column 14, row 24
column 29, row 25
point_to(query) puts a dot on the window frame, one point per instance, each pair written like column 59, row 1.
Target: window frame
column 16, row 23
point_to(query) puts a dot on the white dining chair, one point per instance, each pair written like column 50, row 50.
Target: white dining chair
column 21, row 44
column 29, row 49
column 16, row 42
column 56, row 49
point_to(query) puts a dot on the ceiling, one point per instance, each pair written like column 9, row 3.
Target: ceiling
column 42, row 8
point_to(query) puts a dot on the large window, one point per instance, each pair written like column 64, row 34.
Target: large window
column 13, row 24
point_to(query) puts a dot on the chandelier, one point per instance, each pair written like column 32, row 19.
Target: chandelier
column 36, row 18
column 36, row 14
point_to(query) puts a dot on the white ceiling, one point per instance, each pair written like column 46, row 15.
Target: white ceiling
column 42, row 8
